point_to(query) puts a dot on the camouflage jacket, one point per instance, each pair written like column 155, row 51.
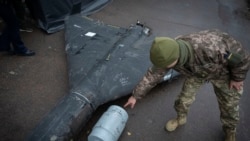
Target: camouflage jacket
column 216, row 55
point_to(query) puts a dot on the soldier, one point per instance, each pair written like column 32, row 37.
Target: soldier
column 207, row 56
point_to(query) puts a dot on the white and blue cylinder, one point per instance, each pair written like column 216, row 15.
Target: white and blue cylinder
column 110, row 126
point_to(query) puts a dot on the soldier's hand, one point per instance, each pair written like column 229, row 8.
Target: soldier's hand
column 131, row 102
column 236, row 85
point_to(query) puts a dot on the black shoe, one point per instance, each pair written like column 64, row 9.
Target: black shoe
column 27, row 53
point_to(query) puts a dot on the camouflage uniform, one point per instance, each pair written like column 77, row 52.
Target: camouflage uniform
column 210, row 61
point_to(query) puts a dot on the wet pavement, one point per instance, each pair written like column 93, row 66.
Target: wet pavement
column 31, row 86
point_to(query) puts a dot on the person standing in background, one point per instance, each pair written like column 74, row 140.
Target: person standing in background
column 10, row 39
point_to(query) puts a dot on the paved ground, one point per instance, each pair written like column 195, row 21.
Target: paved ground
column 31, row 86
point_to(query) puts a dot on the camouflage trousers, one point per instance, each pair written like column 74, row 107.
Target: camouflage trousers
column 228, row 100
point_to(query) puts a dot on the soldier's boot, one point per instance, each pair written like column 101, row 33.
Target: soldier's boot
column 174, row 123
column 230, row 135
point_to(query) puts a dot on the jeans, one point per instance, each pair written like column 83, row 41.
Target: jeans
column 11, row 33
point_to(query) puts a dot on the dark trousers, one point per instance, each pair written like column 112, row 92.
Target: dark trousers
column 11, row 33
column 19, row 10
column 248, row 4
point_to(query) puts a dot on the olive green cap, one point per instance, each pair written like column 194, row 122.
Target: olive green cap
column 164, row 51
